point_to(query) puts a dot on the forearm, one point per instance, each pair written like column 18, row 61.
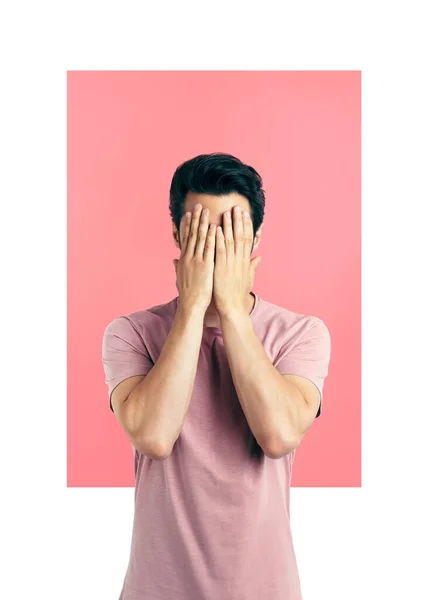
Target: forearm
column 158, row 405
column 276, row 411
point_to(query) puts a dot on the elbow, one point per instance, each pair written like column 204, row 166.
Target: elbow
column 154, row 449
column 277, row 448
column 159, row 452
column 142, row 439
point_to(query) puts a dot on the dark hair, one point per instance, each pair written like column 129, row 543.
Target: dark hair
column 217, row 174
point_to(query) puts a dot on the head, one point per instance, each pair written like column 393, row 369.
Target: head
column 218, row 181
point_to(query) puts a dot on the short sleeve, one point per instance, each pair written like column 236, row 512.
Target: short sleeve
column 124, row 353
column 308, row 357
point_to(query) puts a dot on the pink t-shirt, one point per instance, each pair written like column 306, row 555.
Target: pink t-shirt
column 212, row 520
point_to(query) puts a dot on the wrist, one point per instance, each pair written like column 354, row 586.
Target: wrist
column 188, row 312
column 234, row 314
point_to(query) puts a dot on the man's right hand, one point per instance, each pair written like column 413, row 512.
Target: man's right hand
column 195, row 266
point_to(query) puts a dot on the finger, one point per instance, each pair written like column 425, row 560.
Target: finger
column 210, row 244
column 220, row 247
column 228, row 235
column 201, row 234
column 247, row 234
column 185, row 231
column 238, row 233
column 192, row 236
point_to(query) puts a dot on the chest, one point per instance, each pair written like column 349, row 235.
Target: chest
column 215, row 407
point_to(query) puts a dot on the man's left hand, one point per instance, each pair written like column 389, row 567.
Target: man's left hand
column 234, row 271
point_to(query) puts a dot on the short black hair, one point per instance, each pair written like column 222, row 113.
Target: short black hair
column 217, row 174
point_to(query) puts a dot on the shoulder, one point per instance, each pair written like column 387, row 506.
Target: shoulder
column 146, row 322
column 285, row 323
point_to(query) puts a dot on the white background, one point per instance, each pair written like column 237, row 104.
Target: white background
column 378, row 542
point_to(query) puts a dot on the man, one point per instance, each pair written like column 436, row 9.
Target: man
column 215, row 389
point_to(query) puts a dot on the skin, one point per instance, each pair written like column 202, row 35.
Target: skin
column 214, row 277
column 216, row 207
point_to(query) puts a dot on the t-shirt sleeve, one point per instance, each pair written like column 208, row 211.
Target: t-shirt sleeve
column 124, row 353
column 308, row 357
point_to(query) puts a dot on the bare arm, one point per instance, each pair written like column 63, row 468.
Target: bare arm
column 279, row 409
column 153, row 412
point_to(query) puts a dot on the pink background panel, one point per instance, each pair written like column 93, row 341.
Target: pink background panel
column 127, row 132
